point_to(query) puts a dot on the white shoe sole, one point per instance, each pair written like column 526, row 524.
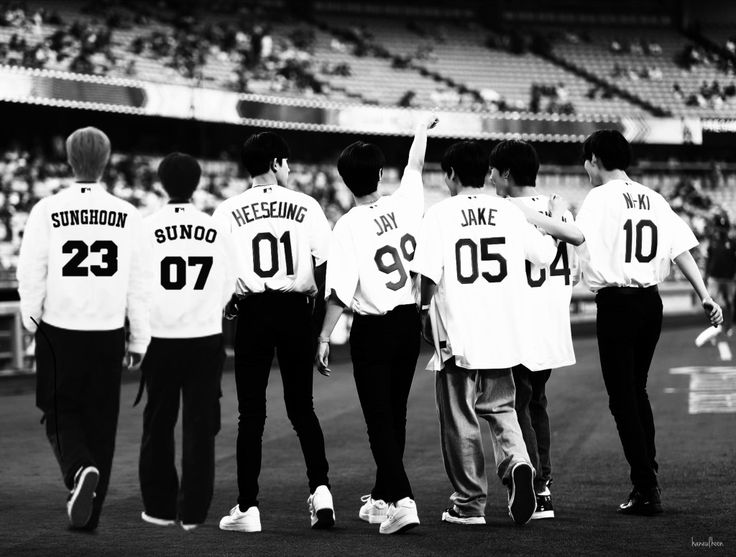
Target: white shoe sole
column 79, row 507
column 372, row 518
column 239, row 527
column 523, row 500
column 543, row 514
column 464, row 520
column 400, row 526
column 156, row 521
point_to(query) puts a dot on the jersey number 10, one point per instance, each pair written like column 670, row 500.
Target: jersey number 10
column 638, row 231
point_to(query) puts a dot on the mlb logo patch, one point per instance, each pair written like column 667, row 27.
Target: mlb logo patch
column 178, row 209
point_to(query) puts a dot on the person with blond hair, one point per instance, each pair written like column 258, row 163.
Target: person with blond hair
column 83, row 269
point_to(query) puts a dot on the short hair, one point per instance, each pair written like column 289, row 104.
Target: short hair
column 179, row 174
column 610, row 147
column 88, row 150
column 261, row 149
column 470, row 162
column 360, row 165
column 519, row 158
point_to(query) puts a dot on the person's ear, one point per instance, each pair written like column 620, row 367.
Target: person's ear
column 380, row 174
column 506, row 175
column 275, row 165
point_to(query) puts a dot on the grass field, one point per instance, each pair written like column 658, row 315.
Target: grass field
column 697, row 455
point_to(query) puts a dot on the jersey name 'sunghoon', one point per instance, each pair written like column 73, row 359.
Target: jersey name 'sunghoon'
column 100, row 217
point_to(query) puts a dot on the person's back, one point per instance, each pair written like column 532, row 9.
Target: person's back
column 631, row 235
column 477, row 245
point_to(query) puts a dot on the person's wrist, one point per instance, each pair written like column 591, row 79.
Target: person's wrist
column 323, row 339
column 706, row 300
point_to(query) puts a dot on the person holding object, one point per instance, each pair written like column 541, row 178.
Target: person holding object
column 628, row 234
column 186, row 355
column 84, row 267
column 368, row 271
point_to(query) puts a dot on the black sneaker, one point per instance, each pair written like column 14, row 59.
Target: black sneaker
column 647, row 503
column 522, row 499
column 544, row 506
column 79, row 505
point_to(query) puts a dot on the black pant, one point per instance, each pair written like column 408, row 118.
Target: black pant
column 78, row 391
column 190, row 368
column 384, row 350
column 531, row 410
column 281, row 322
column 628, row 326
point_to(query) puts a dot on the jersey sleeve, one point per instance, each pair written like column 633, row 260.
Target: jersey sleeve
column 589, row 216
column 573, row 260
column 428, row 257
column 33, row 266
column 342, row 266
column 683, row 238
column 226, row 254
column 140, row 287
column 319, row 233
column 411, row 191
column 538, row 249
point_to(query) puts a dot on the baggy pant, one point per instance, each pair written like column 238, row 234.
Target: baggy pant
column 531, row 410
column 463, row 396
column 384, row 350
column 78, row 390
column 189, row 369
column 281, row 322
column 628, row 325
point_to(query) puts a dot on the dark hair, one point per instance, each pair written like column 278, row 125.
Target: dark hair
column 470, row 162
column 359, row 166
column 610, row 148
column 179, row 174
column 261, row 149
column 519, row 158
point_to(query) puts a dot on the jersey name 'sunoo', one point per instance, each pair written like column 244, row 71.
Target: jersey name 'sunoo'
column 549, row 289
column 275, row 233
column 192, row 276
column 631, row 235
column 372, row 247
column 84, row 261
column 474, row 247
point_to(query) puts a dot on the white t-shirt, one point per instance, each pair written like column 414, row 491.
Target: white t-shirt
column 474, row 248
column 274, row 233
column 85, row 264
column 549, row 289
column 631, row 235
column 193, row 278
column 372, row 247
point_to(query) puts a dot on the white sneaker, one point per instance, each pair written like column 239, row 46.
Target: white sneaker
column 79, row 505
column 321, row 509
column 708, row 334
column 373, row 511
column 522, row 499
column 453, row 517
column 157, row 521
column 189, row 527
column 237, row 521
column 401, row 516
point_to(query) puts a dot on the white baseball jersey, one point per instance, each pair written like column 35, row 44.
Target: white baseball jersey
column 193, row 279
column 631, row 235
column 83, row 262
column 372, row 246
column 275, row 232
column 549, row 289
column 474, row 247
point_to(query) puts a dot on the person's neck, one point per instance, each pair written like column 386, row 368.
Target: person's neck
column 470, row 190
column 178, row 200
column 267, row 179
column 368, row 199
column 610, row 175
column 82, row 180
column 522, row 191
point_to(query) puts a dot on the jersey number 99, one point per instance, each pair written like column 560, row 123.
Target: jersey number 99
column 395, row 265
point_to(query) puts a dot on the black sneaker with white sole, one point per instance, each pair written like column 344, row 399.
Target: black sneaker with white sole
column 79, row 505
column 544, row 506
column 642, row 503
column 522, row 499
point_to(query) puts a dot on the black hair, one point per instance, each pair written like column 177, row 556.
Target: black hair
column 360, row 165
column 519, row 158
column 179, row 174
column 610, row 147
column 470, row 162
column 260, row 150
